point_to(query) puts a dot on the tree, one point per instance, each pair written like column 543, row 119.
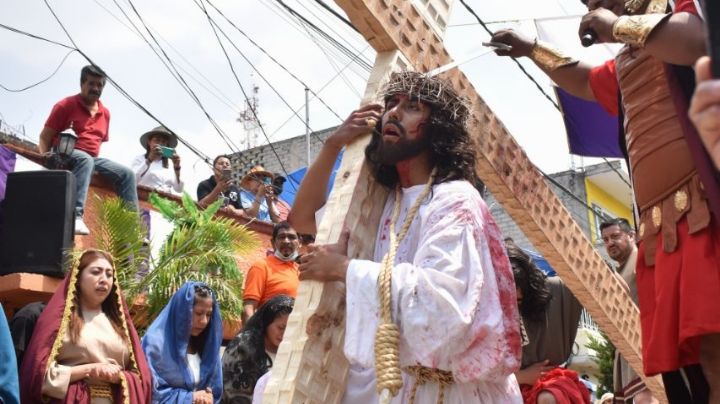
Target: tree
column 200, row 247
column 605, row 358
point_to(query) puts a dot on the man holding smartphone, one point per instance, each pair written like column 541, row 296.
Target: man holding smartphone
column 220, row 185
column 152, row 168
column 257, row 195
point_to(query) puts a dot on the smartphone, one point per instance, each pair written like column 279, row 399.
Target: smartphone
column 227, row 174
column 166, row 151
column 267, row 180
column 711, row 12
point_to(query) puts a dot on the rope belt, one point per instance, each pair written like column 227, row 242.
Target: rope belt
column 387, row 336
column 425, row 375
column 101, row 391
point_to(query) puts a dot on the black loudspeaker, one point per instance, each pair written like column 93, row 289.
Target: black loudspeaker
column 38, row 220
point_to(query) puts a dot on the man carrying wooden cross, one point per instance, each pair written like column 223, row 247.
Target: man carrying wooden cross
column 434, row 316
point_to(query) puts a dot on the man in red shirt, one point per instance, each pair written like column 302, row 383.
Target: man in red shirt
column 678, row 265
column 90, row 120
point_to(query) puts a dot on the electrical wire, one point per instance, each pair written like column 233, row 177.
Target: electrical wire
column 215, row 92
column 335, row 67
column 319, row 91
column 325, row 35
column 171, row 66
column 41, row 81
column 214, row 25
column 119, row 88
column 337, row 15
column 242, row 88
column 232, row 24
column 539, row 87
column 293, row 22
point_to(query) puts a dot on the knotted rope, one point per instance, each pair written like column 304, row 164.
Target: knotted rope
column 387, row 336
column 425, row 375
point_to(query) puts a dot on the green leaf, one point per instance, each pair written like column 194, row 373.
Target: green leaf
column 200, row 247
column 121, row 232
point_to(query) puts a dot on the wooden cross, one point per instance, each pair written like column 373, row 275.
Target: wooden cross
column 310, row 366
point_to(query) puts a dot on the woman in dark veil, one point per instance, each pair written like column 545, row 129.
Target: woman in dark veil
column 252, row 352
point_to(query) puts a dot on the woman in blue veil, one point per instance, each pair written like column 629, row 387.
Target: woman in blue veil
column 182, row 348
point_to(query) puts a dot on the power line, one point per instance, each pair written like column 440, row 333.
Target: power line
column 171, row 66
column 242, row 89
column 214, row 25
column 293, row 22
column 41, row 81
column 321, row 8
column 539, row 87
column 271, row 58
column 215, row 92
column 121, row 90
column 325, row 35
column 337, row 15
column 334, row 66
column 319, row 91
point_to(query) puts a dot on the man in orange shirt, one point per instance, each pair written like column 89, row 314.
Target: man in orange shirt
column 276, row 274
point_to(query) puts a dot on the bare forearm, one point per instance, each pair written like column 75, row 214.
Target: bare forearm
column 272, row 209
column 248, row 309
column 254, row 208
column 574, row 79
column 45, row 142
column 209, row 198
column 678, row 40
column 312, row 193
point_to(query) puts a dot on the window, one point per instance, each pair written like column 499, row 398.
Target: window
column 600, row 216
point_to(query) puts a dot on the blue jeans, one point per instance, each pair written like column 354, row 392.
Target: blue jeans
column 123, row 179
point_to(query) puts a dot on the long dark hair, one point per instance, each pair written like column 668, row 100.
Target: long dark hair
column 531, row 281
column 245, row 359
column 110, row 306
column 452, row 150
column 197, row 343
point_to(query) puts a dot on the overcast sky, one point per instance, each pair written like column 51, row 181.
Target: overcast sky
column 102, row 32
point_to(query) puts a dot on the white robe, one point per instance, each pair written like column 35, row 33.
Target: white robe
column 453, row 297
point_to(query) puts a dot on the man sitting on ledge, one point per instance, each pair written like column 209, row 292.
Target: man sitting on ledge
column 90, row 120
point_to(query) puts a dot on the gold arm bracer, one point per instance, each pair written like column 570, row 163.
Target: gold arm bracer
column 548, row 57
column 634, row 30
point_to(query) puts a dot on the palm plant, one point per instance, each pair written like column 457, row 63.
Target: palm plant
column 200, row 247
column 121, row 233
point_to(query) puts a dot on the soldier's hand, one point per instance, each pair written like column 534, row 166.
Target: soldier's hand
column 600, row 21
column 521, row 45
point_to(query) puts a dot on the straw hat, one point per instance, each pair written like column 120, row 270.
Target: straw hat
column 160, row 130
column 256, row 172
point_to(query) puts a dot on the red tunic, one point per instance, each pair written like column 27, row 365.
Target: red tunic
column 678, row 269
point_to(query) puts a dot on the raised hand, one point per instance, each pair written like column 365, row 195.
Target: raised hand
column 521, row 45
column 360, row 122
column 600, row 21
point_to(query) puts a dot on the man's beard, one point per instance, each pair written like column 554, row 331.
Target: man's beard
column 392, row 153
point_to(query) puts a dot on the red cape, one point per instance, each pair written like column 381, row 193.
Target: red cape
column 136, row 386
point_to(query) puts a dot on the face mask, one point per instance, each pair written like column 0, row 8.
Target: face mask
column 289, row 258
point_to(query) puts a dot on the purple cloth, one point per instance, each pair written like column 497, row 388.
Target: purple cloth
column 7, row 165
column 591, row 131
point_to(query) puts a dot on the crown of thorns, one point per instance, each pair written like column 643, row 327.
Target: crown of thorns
column 433, row 90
